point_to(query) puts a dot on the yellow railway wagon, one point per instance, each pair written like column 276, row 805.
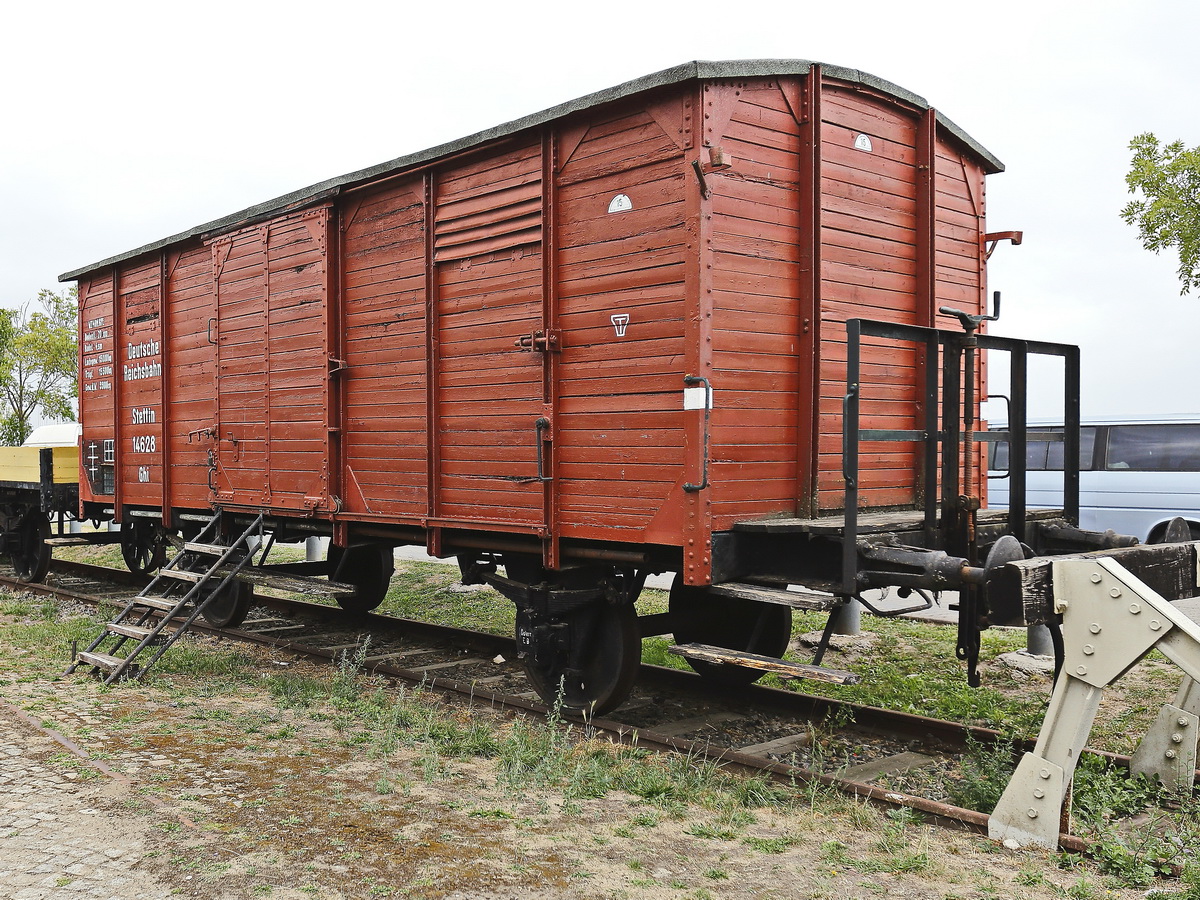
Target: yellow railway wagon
column 36, row 483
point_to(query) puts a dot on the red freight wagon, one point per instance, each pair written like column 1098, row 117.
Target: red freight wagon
column 605, row 340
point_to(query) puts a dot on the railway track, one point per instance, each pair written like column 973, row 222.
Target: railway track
column 881, row 755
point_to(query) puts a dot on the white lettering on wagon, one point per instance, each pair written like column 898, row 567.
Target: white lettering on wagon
column 143, row 443
column 143, row 415
column 142, row 370
column 620, row 321
column 142, row 350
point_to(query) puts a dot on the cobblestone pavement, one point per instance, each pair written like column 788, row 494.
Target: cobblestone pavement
column 60, row 834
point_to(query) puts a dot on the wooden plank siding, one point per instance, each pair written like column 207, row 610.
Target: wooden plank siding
column 960, row 278
column 192, row 406
column 619, row 437
column 488, row 270
column 869, row 270
column 273, row 364
column 139, row 381
column 383, row 309
column 98, row 369
column 758, row 334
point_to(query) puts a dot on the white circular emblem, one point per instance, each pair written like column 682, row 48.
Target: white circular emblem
column 620, row 203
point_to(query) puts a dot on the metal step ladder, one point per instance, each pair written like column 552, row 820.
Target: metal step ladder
column 155, row 620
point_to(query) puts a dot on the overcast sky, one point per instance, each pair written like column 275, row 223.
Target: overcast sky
column 125, row 122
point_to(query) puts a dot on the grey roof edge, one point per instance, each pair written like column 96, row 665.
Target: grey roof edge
column 696, row 69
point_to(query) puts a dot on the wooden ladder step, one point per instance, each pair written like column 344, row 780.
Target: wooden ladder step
column 100, row 660
column 299, row 584
column 780, row 596
column 210, row 549
column 164, row 603
column 782, row 668
column 181, row 575
column 136, row 631
column 85, row 539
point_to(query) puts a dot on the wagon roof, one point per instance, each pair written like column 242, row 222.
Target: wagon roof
column 698, row 69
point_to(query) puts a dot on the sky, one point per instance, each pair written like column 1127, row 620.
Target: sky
column 125, row 122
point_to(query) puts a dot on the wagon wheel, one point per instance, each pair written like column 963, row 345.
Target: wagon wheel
column 369, row 568
column 599, row 669
column 744, row 626
column 31, row 555
column 229, row 608
column 143, row 546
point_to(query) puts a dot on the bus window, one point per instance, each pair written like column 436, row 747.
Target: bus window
column 1154, row 448
column 1087, row 448
column 999, row 457
column 1035, row 456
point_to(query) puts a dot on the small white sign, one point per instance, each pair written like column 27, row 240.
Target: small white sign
column 620, row 203
column 697, row 398
column 862, row 142
column 620, row 321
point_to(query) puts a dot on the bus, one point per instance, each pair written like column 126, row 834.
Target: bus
column 1135, row 473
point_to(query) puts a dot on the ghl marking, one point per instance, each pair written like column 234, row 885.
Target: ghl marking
column 620, row 322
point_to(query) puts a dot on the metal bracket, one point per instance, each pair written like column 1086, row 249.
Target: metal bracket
column 991, row 240
column 691, row 381
column 1111, row 620
column 541, row 341
column 1168, row 751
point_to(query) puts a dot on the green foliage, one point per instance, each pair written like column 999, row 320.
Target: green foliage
column 39, row 363
column 1168, row 177
column 986, row 771
column 1106, row 797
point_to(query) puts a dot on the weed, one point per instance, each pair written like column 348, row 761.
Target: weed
column 1030, row 876
column 491, row 814
column 83, row 771
column 987, row 771
column 346, row 685
column 292, row 690
column 770, row 845
column 705, row 830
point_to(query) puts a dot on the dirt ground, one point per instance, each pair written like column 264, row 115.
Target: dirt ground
column 221, row 792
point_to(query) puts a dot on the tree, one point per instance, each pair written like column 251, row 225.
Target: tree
column 39, row 363
column 1168, row 177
